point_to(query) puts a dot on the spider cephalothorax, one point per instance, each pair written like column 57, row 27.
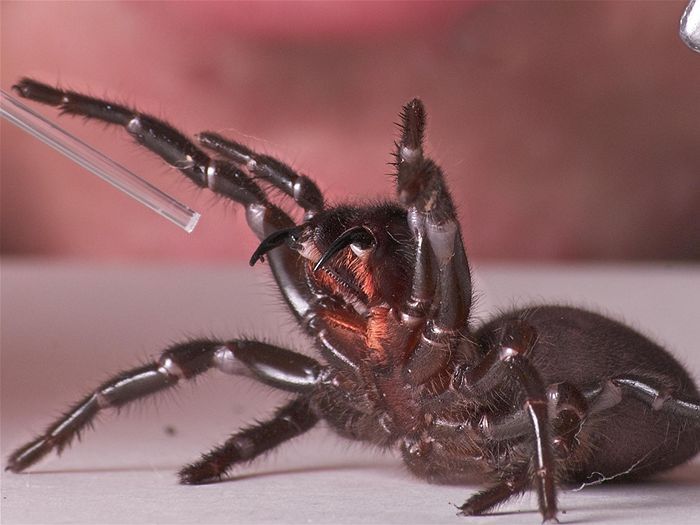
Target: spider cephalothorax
column 533, row 397
column 359, row 255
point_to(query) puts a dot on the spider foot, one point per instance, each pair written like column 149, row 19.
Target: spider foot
column 27, row 455
column 202, row 472
column 467, row 510
column 472, row 507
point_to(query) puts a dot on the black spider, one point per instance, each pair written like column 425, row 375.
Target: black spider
column 541, row 396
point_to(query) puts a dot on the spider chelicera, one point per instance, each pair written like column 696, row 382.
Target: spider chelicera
column 537, row 396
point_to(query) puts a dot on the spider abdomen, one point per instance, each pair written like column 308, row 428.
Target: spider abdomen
column 624, row 436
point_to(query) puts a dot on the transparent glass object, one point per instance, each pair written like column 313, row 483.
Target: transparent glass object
column 95, row 162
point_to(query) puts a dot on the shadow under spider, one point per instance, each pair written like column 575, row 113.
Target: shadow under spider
column 226, row 479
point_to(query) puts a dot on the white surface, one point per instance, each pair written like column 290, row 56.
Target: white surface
column 67, row 327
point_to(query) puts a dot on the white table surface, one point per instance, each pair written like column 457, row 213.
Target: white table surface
column 66, row 327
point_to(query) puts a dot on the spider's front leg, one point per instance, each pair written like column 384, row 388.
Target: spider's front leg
column 220, row 176
column 274, row 366
column 507, row 360
column 441, row 291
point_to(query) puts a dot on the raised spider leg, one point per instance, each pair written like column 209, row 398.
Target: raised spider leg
column 156, row 135
column 219, row 176
column 508, row 359
column 289, row 421
column 441, row 283
column 224, row 178
column 304, row 191
column 277, row 367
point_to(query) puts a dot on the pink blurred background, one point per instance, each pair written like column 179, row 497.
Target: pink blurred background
column 568, row 131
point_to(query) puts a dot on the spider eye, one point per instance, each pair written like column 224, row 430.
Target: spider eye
column 361, row 250
column 359, row 238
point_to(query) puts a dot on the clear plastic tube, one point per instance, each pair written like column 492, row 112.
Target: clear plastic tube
column 94, row 161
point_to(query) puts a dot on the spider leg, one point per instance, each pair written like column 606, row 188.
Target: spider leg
column 156, row 135
column 289, row 421
column 659, row 398
column 509, row 486
column 277, row 367
column 579, row 404
column 569, row 406
column 508, row 359
column 304, row 191
column 567, row 409
column 441, row 292
column 220, row 176
column 563, row 398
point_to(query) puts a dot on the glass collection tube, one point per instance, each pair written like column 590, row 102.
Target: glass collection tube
column 97, row 163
